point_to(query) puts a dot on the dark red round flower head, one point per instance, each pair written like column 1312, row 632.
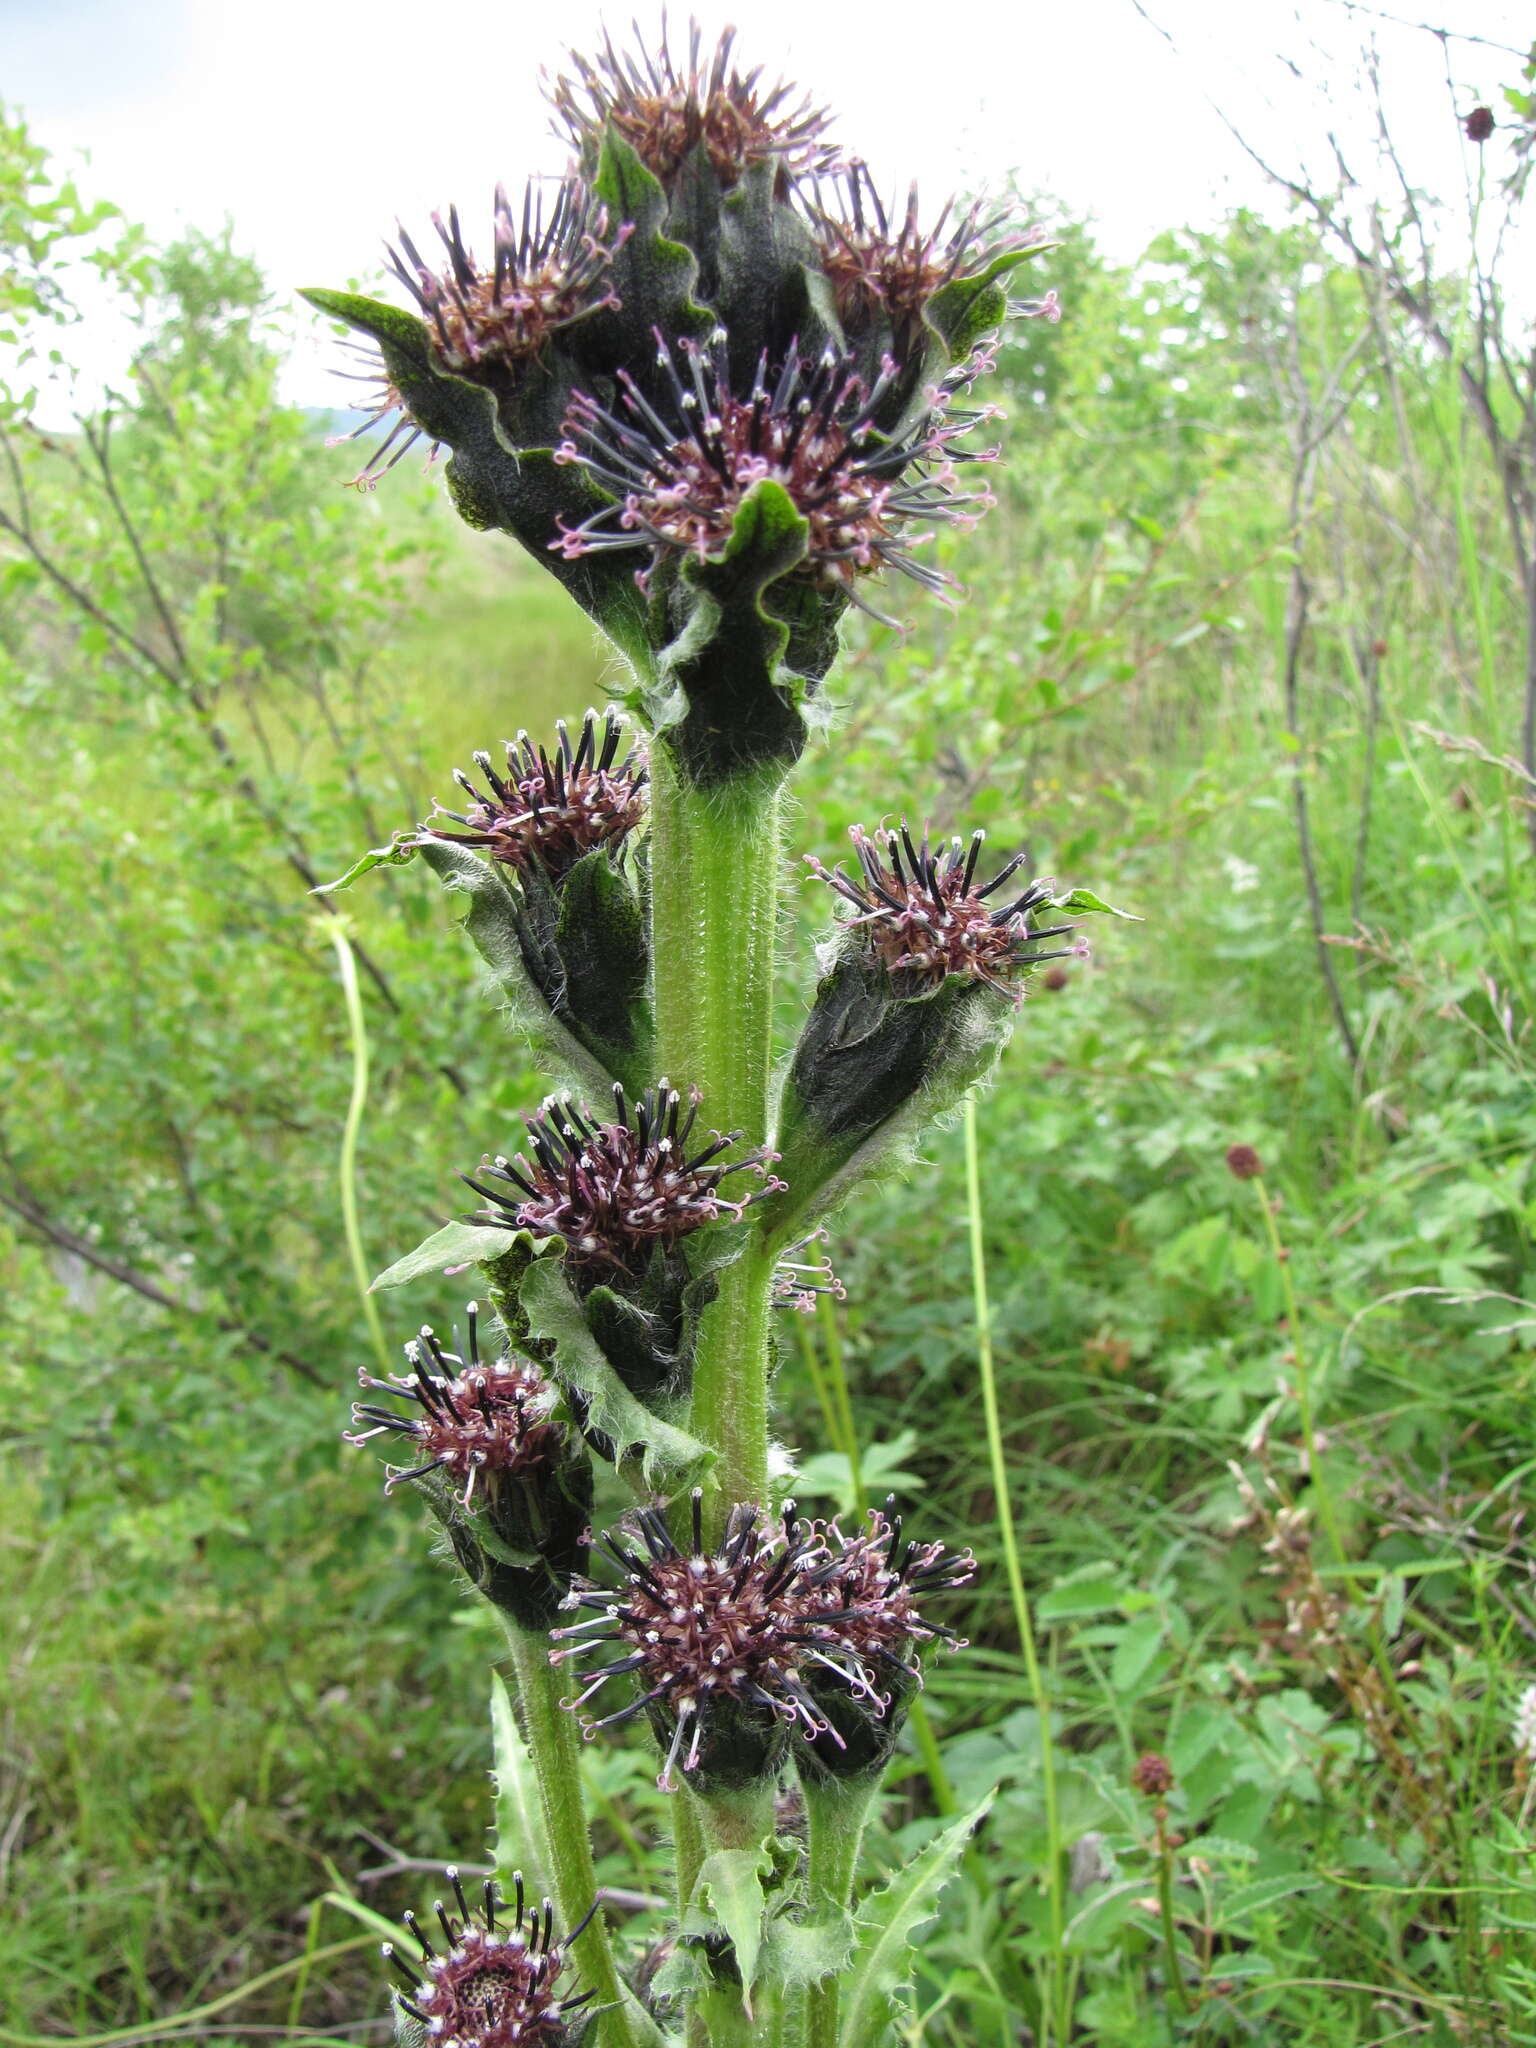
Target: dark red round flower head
column 923, row 913
column 1243, row 1163
column 665, row 111
column 492, row 1983
column 1479, row 124
column 552, row 807
column 472, row 1418
column 1152, row 1774
column 617, row 1192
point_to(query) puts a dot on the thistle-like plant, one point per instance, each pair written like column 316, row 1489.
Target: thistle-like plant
column 721, row 392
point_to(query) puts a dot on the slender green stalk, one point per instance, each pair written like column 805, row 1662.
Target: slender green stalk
column 1178, row 1990
column 358, row 1033
column 715, row 860
column 1061, row 2014
column 1299, row 1361
column 555, row 1747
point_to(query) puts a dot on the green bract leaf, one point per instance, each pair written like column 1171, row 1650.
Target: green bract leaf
column 456, row 1244
column 491, row 918
column 882, row 1959
column 521, row 1841
column 1084, row 900
column 373, row 317
column 969, row 307
column 806, row 1951
column 668, row 1456
column 733, row 1879
column 395, row 855
column 653, row 276
column 601, row 938
column 871, row 1072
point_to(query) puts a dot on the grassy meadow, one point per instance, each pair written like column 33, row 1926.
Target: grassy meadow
column 1268, row 1439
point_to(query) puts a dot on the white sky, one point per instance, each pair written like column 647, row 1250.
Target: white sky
column 313, row 124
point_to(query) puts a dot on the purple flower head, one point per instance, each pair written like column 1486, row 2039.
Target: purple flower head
column 471, row 1419
column 492, row 1983
column 1479, row 124
column 618, row 1192
column 870, row 1586
column 881, row 261
column 666, row 111
column 552, row 807
column 758, row 1633
column 678, row 470
column 922, row 911
column 486, row 325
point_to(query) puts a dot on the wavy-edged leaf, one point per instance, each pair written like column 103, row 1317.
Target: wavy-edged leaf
column 456, row 1244
column 870, row 1075
column 882, row 1962
column 726, row 704
column 969, row 307
column 733, row 1880
column 669, row 1456
column 806, row 1951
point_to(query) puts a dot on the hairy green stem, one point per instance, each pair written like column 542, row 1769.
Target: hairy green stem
column 1057, row 2000
column 687, row 1848
column 715, row 857
column 836, row 1814
column 555, row 1746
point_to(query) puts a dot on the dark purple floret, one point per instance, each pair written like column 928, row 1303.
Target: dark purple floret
column 1479, row 124
column 617, row 1192
column 491, row 1981
column 544, row 274
column 551, row 806
column 678, row 470
column 922, row 911
column 665, row 110
column 465, row 1417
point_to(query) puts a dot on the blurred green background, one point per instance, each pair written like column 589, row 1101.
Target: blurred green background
column 1243, row 648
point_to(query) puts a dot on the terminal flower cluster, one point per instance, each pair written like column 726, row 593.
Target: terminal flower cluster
column 667, row 110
